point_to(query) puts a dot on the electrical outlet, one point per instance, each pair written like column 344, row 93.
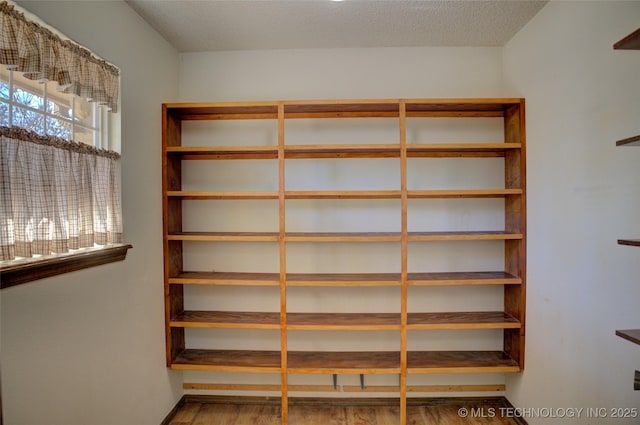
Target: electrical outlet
column 636, row 381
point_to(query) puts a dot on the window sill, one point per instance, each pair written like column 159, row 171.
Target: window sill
column 17, row 274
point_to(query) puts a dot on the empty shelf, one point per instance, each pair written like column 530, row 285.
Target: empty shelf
column 460, row 362
column 228, row 360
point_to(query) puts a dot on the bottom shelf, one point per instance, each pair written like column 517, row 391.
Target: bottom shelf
column 363, row 362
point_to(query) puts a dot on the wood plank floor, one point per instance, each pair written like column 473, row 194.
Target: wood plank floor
column 198, row 411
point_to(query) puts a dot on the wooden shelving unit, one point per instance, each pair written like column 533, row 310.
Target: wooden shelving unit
column 630, row 42
column 403, row 361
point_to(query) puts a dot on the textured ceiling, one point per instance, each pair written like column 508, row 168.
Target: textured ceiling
column 211, row 25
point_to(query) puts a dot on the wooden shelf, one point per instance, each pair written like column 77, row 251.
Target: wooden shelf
column 225, row 278
column 221, row 195
column 462, row 236
column 398, row 152
column 473, row 193
column 228, row 361
column 462, row 278
column 344, row 237
column 347, row 194
column 224, row 236
column 346, row 279
column 380, row 150
column 631, row 141
column 630, row 42
column 331, row 362
column 343, row 321
column 221, row 111
column 226, row 319
column 460, row 149
column 343, row 279
column 341, row 236
column 342, row 151
column 460, row 362
column 223, row 152
column 630, row 242
column 632, row 335
column 462, row 320
column 342, row 194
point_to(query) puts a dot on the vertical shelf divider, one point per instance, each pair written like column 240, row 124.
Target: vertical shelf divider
column 515, row 221
column 402, row 114
column 283, row 268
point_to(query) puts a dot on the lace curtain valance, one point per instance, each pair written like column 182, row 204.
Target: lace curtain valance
column 40, row 54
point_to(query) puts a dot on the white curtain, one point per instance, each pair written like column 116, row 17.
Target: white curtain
column 56, row 195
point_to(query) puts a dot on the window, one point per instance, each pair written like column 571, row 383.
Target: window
column 39, row 107
column 59, row 162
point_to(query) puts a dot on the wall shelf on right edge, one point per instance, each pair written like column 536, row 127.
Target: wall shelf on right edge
column 630, row 42
column 632, row 335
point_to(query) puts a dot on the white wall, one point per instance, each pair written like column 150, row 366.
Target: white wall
column 88, row 347
column 340, row 74
column 583, row 195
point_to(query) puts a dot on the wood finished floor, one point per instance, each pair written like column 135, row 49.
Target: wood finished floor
column 206, row 413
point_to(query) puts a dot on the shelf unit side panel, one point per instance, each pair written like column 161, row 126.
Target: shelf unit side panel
column 515, row 221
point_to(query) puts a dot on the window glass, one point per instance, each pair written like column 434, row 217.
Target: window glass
column 29, row 119
column 59, row 128
column 27, row 92
column 4, row 83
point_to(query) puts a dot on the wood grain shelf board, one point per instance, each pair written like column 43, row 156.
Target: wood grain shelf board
column 341, row 108
column 460, row 362
column 332, row 362
column 195, row 195
column 415, row 150
column 629, row 242
column 258, row 387
column 226, row 319
column 223, row 110
column 223, row 152
column 342, row 151
column 224, row 236
column 459, row 107
column 630, row 42
column 462, row 278
column 226, row 278
column 343, row 237
column 462, row 320
column 343, row 279
column 463, row 193
column 424, row 388
column 462, row 236
column 631, row 141
column 228, row 361
column 342, row 194
column 385, row 108
column 343, row 321
column 632, row 335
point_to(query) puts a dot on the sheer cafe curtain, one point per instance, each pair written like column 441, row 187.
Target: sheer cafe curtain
column 56, row 195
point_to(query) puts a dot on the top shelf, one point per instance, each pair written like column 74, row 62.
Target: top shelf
column 630, row 42
column 369, row 108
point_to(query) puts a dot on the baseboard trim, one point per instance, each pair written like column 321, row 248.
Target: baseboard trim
column 169, row 418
